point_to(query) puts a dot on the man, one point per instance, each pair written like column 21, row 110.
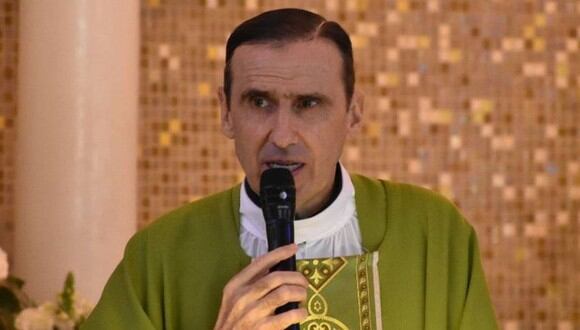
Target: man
column 372, row 254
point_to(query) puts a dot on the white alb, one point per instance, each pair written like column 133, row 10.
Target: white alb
column 333, row 232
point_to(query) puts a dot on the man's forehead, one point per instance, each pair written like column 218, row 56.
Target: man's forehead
column 294, row 62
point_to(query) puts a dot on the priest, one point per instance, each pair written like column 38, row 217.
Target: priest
column 372, row 254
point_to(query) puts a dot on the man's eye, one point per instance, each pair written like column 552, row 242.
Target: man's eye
column 260, row 102
column 308, row 103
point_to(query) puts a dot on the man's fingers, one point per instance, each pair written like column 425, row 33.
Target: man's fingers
column 272, row 281
column 276, row 298
column 282, row 321
column 261, row 265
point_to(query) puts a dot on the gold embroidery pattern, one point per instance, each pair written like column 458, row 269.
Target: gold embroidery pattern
column 363, row 292
column 319, row 273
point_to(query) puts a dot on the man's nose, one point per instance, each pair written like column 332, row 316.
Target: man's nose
column 283, row 130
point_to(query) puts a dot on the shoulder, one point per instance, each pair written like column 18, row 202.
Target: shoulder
column 409, row 205
column 194, row 222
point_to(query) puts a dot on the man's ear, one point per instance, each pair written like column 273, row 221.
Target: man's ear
column 226, row 115
column 355, row 111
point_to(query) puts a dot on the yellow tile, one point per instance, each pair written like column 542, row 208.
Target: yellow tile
column 455, row 56
column 424, row 42
column 164, row 139
column 403, row 6
column 529, row 31
column 385, row 79
column 359, row 41
column 175, row 126
column 392, row 80
column 520, row 254
column 562, row 69
column 539, row 44
column 154, row 3
column 212, row 53
column 540, row 20
column 203, row 89
column 362, row 5
column 373, row 130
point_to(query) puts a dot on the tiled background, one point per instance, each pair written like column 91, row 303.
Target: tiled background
column 8, row 64
column 477, row 99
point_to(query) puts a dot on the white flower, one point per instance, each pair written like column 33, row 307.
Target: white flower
column 63, row 322
column 40, row 318
column 82, row 307
column 3, row 265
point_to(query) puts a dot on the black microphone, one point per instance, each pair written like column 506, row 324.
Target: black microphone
column 278, row 197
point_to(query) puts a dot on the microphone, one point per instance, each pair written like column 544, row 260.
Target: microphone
column 278, row 197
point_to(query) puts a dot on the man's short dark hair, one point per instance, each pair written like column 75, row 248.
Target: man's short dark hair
column 288, row 25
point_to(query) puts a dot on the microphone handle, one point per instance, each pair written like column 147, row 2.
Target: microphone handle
column 281, row 233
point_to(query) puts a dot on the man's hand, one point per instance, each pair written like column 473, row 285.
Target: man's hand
column 250, row 298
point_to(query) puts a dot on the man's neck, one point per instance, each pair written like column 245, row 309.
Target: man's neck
column 336, row 188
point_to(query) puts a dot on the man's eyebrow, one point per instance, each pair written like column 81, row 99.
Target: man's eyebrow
column 315, row 95
column 253, row 92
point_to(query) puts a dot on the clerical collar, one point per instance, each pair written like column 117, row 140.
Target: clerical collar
column 336, row 188
column 320, row 226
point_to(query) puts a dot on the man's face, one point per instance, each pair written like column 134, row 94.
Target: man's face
column 288, row 108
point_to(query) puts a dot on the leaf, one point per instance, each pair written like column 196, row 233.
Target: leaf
column 66, row 301
column 15, row 281
column 9, row 301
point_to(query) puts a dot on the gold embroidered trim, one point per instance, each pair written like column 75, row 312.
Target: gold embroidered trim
column 363, row 292
column 319, row 272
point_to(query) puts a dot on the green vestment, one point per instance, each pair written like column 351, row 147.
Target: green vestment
column 173, row 272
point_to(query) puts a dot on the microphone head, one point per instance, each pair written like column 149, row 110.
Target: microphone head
column 277, row 194
column 276, row 177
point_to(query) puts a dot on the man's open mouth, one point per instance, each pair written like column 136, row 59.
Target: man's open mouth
column 287, row 165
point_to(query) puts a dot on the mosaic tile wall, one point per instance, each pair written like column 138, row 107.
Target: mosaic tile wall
column 8, row 64
column 476, row 99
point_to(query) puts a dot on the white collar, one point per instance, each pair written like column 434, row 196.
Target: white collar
column 319, row 226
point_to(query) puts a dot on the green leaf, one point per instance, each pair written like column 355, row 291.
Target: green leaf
column 66, row 301
column 9, row 301
column 15, row 281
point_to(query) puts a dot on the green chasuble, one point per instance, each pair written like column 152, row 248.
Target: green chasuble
column 427, row 272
